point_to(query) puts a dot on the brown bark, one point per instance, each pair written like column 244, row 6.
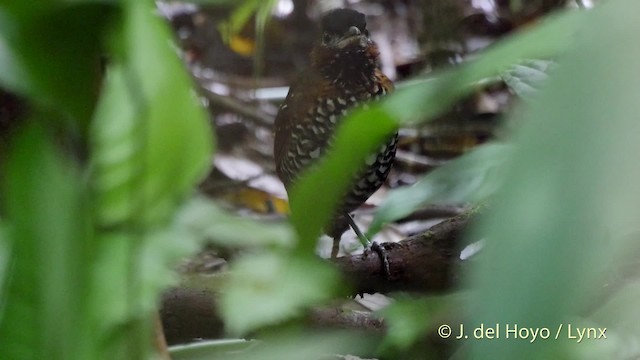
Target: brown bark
column 189, row 314
column 425, row 262
column 345, row 319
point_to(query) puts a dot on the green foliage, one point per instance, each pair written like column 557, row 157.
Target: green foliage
column 548, row 238
column 570, row 198
column 268, row 289
column 471, row 178
column 207, row 349
column 145, row 128
column 408, row 320
column 44, row 313
column 204, row 219
column 314, row 197
column 36, row 57
column 90, row 247
column 526, row 77
column 239, row 18
column 314, row 345
column 85, row 249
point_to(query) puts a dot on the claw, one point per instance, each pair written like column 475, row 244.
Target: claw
column 368, row 244
column 382, row 253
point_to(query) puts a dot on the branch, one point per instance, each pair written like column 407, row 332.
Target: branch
column 189, row 314
column 345, row 319
column 249, row 111
column 425, row 262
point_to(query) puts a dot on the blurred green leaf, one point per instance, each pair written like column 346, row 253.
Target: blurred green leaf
column 151, row 138
column 239, row 18
column 526, row 77
column 314, row 198
column 151, row 142
column 23, row 9
column 5, row 253
column 44, row 312
column 619, row 314
column 136, row 267
column 408, row 320
column 204, row 219
column 109, row 293
column 205, row 350
column 52, row 54
column 211, row 2
column 13, row 75
column 472, row 177
column 263, row 15
column 571, row 190
column 312, row 345
column 270, row 288
column 73, row 291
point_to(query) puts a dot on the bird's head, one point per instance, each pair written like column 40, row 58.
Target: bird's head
column 344, row 43
column 342, row 29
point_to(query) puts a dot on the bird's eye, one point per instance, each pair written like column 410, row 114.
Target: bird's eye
column 326, row 38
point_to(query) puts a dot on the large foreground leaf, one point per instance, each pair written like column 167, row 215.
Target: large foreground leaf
column 570, row 200
column 40, row 62
column 44, row 304
column 152, row 140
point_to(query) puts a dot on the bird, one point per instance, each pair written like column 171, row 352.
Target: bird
column 344, row 74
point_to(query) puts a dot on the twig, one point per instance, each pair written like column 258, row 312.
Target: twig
column 251, row 112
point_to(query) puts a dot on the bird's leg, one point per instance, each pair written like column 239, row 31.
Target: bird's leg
column 336, row 247
column 368, row 244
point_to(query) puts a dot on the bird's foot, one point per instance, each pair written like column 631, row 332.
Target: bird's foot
column 373, row 246
column 384, row 258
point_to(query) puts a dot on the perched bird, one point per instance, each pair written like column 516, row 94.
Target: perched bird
column 344, row 74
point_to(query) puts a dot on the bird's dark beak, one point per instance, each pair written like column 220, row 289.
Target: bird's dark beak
column 353, row 37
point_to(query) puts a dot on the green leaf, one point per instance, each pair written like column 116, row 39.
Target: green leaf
column 408, row 320
column 313, row 345
column 213, row 2
column 13, row 75
column 526, row 77
column 570, row 192
column 239, row 18
column 151, row 138
column 204, row 219
column 209, row 349
column 63, row 75
column 129, row 272
column 19, row 8
column 314, row 198
column 270, row 288
column 5, row 253
column 44, row 312
column 472, row 177
column 619, row 315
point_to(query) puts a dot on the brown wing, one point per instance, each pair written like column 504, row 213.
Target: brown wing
column 295, row 109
